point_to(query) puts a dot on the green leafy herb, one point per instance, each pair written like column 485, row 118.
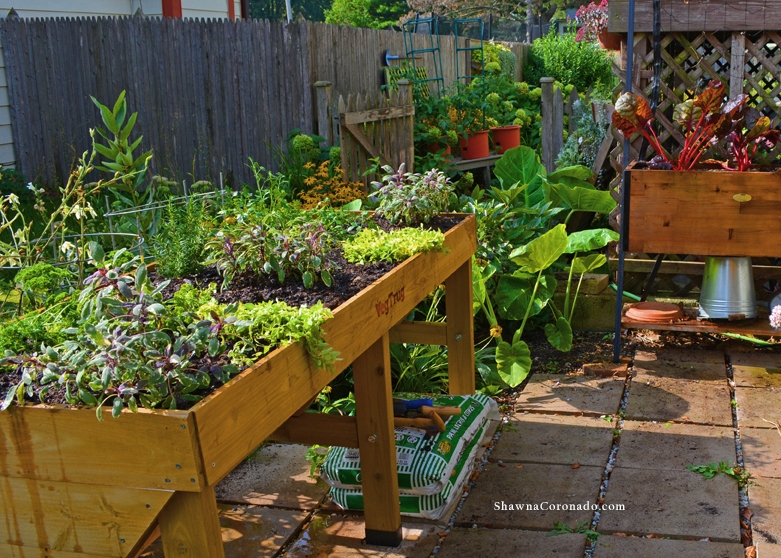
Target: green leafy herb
column 373, row 245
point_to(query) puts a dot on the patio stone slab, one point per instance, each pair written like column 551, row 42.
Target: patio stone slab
column 768, row 550
column 681, row 370
column 647, row 445
column 574, row 395
column 679, row 354
column 756, row 404
column 671, row 504
column 562, row 439
column 756, row 376
column 765, row 501
column 277, row 475
column 532, row 484
column 754, row 358
column 501, row 542
column 762, row 451
column 668, row 399
column 249, row 531
column 342, row 536
column 634, row 547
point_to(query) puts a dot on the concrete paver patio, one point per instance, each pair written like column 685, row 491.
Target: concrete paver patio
column 566, row 442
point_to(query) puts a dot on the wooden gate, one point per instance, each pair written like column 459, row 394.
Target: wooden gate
column 376, row 128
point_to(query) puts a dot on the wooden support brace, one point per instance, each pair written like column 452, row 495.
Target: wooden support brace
column 460, row 330
column 190, row 527
column 377, row 444
column 420, row 333
column 320, row 429
column 360, row 137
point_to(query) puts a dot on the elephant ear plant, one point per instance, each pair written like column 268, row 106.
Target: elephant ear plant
column 524, row 285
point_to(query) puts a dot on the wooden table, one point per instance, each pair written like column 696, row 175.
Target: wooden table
column 484, row 163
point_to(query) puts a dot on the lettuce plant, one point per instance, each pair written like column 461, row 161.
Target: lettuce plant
column 373, row 245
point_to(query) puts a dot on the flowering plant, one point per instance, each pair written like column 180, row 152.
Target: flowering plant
column 775, row 317
column 592, row 20
column 325, row 185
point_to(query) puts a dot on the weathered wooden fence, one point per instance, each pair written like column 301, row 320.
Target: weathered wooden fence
column 210, row 94
column 376, row 127
column 745, row 60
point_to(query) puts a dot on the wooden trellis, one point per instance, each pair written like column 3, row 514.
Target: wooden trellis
column 378, row 127
column 746, row 62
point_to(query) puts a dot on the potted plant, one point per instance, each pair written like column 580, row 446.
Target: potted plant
column 468, row 115
column 593, row 26
column 434, row 132
column 501, row 113
column 681, row 203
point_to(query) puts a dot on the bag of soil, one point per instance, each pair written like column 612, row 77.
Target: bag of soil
column 424, row 465
column 429, row 506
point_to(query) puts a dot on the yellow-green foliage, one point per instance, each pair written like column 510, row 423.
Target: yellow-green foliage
column 372, row 245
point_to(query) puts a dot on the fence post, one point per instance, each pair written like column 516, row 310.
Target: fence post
column 737, row 64
column 405, row 130
column 324, row 127
column 552, row 123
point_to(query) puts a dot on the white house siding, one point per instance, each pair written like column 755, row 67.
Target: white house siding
column 209, row 8
column 89, row 8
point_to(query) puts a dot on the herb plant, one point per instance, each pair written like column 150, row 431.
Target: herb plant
column 373, row 245
column 412, row 198
column 179, row 245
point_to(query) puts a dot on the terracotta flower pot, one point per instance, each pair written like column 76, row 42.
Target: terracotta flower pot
column 474, row 146
column 609, row 41
column 506, row 137
column 437, row 147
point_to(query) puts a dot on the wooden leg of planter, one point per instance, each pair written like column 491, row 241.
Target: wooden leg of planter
column 377, row 444
column 460, row 331
column 190, row 527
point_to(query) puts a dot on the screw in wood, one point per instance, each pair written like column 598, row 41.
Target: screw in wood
column 458, row 337
column 373, row 438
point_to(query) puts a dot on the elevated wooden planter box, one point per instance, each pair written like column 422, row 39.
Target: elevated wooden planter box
column 73, row 486
column 696, row 212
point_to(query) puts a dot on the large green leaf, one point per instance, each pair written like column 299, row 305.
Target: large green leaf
column 578, row 198
column 560, row 335
column 514, row 292
column 578, row 171
column 542, row 252
column 513, row 362
column 588, row 263
column 592, row 239
column 521, row 165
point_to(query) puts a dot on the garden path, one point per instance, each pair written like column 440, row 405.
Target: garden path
column 624, row 439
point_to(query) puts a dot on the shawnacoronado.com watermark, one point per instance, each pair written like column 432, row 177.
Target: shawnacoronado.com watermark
column 550, row 506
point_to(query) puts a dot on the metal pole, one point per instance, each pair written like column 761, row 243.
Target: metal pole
column 630, row 39
column 289, row 11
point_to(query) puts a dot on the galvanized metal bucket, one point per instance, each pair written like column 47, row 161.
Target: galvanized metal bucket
column 728, row 289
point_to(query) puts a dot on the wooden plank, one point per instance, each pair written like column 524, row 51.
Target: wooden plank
column 420, row 333
column 236, row 419
column 633, row 265
column 373, row 115
column 320, row 429
column 759, row 326
column 548, row 121
column 377, row 442
column 694, row 212
column 189, row 525
column 18, row 551
column 76, row 518
column 697, row 15
column 460, row 331
column 69, row 445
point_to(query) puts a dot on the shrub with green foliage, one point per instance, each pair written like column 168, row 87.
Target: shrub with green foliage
column 581, row 64
column 373, row 245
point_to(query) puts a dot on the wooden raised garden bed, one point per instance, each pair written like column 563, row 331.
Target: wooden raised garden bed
column 73, row 486
column 695, row 212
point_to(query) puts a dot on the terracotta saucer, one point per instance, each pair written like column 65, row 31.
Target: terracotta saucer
column 654, row 312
